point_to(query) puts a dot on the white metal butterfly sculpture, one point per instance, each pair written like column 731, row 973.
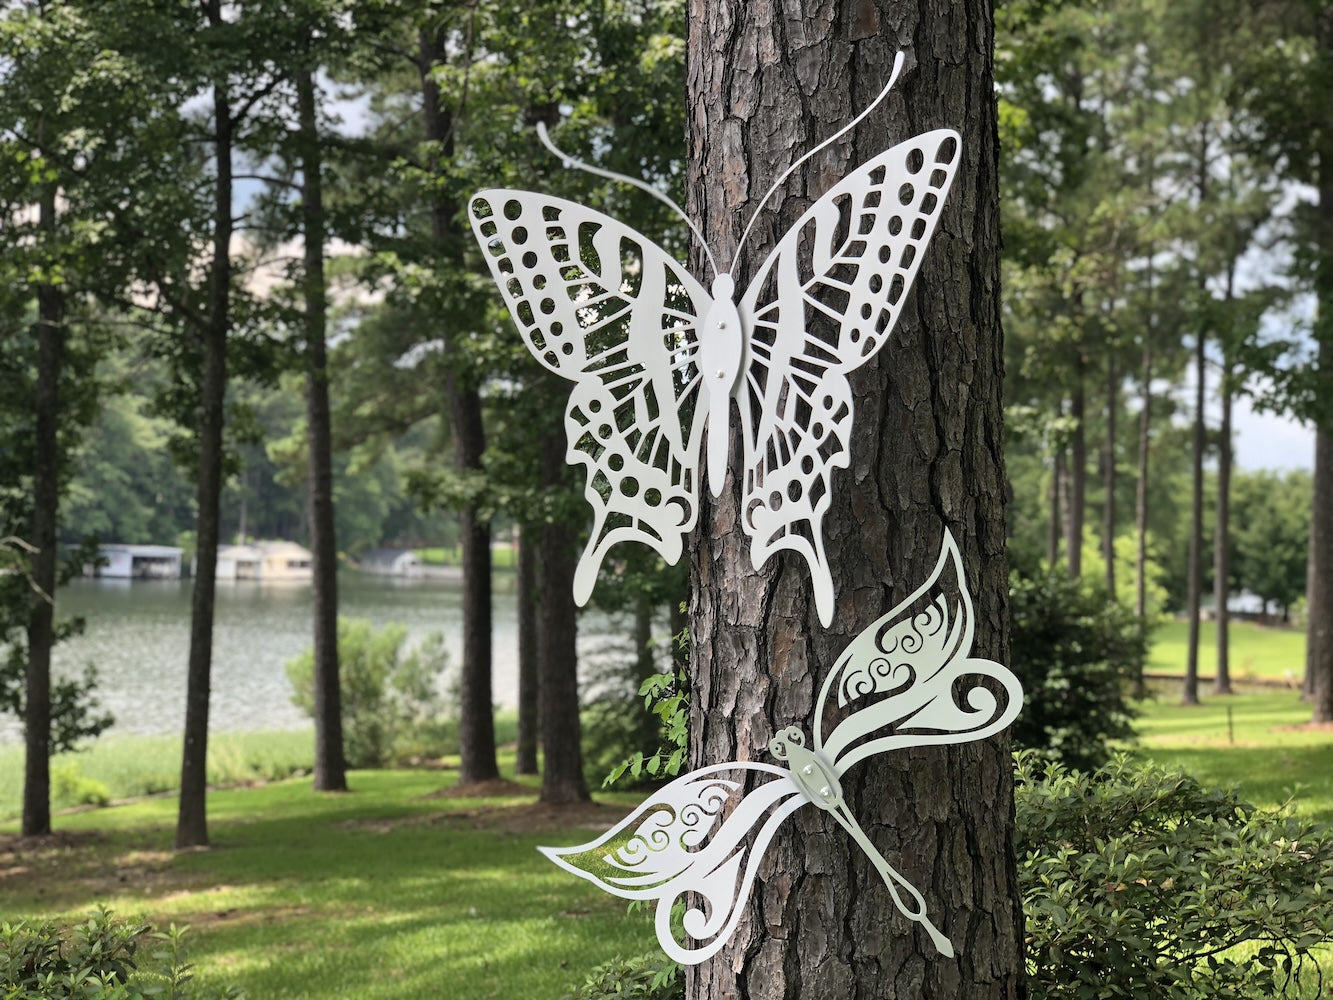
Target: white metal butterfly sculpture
column 654, row 357
column 907, row 680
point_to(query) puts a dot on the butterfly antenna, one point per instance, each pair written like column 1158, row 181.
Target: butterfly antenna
column 893, row 78
column 569, row 161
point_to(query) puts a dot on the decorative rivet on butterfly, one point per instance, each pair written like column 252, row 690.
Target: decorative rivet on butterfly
column 615, row 314
column 908, row 680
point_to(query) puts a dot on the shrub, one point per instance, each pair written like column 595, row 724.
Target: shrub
column 647, row 977
column 1138, row 882
column 101, row 958
column 70, row 788
column 1076, row 653
column 391, row 705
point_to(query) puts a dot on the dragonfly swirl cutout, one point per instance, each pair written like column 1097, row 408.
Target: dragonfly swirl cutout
column 654, row 358
column 907, row 680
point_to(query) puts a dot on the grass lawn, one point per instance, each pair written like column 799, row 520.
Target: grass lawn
column 1257, row 651
column 391, row 891
column 1268, row 754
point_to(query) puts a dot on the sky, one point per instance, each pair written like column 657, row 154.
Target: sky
column 1266, row 441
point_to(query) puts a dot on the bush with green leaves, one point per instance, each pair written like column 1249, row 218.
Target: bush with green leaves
column 392, row 705
column 645, row 977
column 1076, row 653
column 101, row 958
column 1139, row 882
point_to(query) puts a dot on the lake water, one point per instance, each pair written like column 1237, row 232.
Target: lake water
column 138, row 637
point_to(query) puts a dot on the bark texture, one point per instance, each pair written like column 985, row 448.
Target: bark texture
column 557, row 661
column 767, row 83
column 330, row 762
column 525, row 754
column 192, row 816
column 476, row 730
column 49, row 331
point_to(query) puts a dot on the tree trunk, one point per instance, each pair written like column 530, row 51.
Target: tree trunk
column 1222, row 541
column 1320, row 636
column 1078, row 471
column 525, row 758
column 191, row 818
column 1108, row 474
column 476, row 706
column 1190, row 692
column 1141, row 504
column 330, row 764
column 563, row 782
column 924, row 453
column 1055, row 527
column 1307, row 682
column 50, row 334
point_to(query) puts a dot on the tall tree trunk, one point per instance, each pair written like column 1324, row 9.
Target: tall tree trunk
column 1108, row 473
column 1141, row 504
column 563, row 782
column 476, row 707
column 1055, row 527
column 1190, row 692
column 1222, row 539
column 330, row 763
column 1078, row 469
column 925, row 454
column 50, row 335
column 525, row 758
column 1307, row 682
column 192, row 817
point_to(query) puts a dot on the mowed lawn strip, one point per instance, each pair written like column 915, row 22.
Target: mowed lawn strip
column 1268, row 751
column 389, row 891
column 1257, row 652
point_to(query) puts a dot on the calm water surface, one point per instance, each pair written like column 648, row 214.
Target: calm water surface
column 138, row 636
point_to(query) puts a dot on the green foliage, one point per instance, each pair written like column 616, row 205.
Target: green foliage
column 1270, row 534
column 392, row 705
column 1075, row 653
column 1139, row 882
column 103, row 958
column 649, row 977
column 667, row 697
column 70, row 788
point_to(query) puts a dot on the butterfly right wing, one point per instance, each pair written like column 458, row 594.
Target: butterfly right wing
column 704, row 834
column 604, row 307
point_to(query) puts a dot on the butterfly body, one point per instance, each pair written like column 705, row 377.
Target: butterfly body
column 720, row 358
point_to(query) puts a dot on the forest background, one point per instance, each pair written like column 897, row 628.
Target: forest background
column 240, row 299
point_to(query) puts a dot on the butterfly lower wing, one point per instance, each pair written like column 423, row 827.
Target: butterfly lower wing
column 910, row 679
column 820, row 306
column 604, row 307
column 704, row 833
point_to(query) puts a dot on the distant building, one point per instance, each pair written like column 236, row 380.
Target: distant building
column 137, row 562
column 390, row 562
column 265, row 561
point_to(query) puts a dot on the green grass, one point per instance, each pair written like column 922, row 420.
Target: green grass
column 381, row 893
column 130, row 766
column 1256, row 651
column 503, row 556
column 1267, row 753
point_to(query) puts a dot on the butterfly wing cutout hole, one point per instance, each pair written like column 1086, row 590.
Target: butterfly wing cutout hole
column 612, row 312
column 908, row 680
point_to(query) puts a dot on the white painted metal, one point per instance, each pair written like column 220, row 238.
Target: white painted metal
column 653, row 357
column 898, row 684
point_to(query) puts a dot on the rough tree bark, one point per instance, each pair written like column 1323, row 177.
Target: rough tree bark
column 557, row 663
column 525, row 756
column 476, row 731
column 765, row 85
column 330, row 762
column 50, row 334
column 192, row 816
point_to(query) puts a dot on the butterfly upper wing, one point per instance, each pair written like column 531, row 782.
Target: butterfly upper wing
column 604, row 307
column 910, row 679
column 822, row 303
column 704, row 833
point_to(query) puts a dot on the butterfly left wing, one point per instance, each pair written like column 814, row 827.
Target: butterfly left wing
column 704, row 833
column 606, row 308
column 910, row 679
column 820, row 306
